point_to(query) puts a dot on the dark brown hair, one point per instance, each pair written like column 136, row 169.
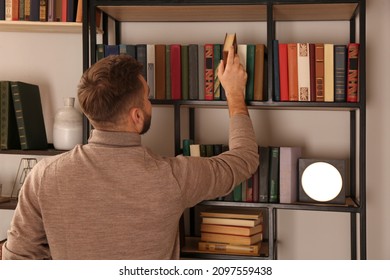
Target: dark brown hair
column 109, row 88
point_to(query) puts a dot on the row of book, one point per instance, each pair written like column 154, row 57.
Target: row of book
column 231, row 231
column 41, row 10
column 189, row 72
column 21, row 117
column 274, row 181
column 320, row 72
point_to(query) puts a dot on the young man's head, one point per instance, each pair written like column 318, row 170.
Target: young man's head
column 114, row 95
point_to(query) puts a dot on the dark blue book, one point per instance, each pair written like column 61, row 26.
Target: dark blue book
column 111, row 50
column 34, row 10
column 2, row 9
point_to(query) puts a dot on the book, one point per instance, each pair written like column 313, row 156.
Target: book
column 264, row 154
column 230, row 40
column 233, row 230
column 283, row 72
column 259, row 86
column 201, row 72
column 217, row 83
column 150, row 69
column 193, row 69
column 175, row 59
column 71, row 10
column 232, row 221
column 292, row 64
column 29, row 116
column 222, row 248
column 2, row 9
column 168, row 92
column 353, row 73
column 237, row 196
column 319, row 72
column 255, row 179
column 249, row 190
column 79, row 12
column 312, row 58
column 186, row 147
column 276, row 70
column 231, row 239
column 250, row 70
column 233, row 213
column 288, row 173
column 340, row 71
column 127, row 49
column 160, row 71
column 303, row 61
column 141, row 53
column 184, row 72
column 9, row 134
column 34, row 10
column 195, row 150
column 209, row 72
column 111, row 50
column 328, row 72
column 43, row 10
column 274, row 175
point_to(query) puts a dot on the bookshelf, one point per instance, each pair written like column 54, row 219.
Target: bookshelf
column 38, row 26
column 270, row 13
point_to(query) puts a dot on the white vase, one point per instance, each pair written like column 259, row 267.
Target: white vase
column 68, row 126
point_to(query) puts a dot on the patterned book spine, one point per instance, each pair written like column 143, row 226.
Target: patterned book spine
column 320, row 85
column 217, row 84
column 340, row 70
column 353, row 73
column 303, row 61
column 209, row 72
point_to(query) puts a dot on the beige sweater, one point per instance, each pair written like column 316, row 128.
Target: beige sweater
column 115, row 199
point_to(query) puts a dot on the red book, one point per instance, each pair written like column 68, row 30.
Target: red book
column 353, row 73
column 64, row 10
column 292, row 71
column 209, row 72
column 319, row 72
column 176, row 71
column 312, row 50
column 283, row 72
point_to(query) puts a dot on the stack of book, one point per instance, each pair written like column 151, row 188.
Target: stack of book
column 231, row 231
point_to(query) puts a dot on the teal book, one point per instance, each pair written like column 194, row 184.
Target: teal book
column 250, row 69
column 237, row 195
column 186, row 147
column 29, row 116
column 217, row 83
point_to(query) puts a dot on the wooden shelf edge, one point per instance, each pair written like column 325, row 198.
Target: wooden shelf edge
column 9, row 205
column 40, row 26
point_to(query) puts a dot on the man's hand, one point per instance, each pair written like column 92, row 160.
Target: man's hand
column 233, row 79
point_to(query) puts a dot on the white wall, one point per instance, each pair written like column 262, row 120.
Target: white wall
column 56, row 64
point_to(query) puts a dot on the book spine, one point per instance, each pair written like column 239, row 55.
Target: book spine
column 312, row 58
column 43, row 10
column 209, row 72
column 340, row 70
column 292, row 71
column 283, row 72
column 252, row 250
column 259, row 75
column 250, row 70
column 276, row 70
column 176, row 72
column 51, row 10
column 193, row 75
column 320, row 83
column 288, row 166
column 303, row 62
column 64, row 8
column 264, row 153
column 168, row 89
column 151, row 71
column 242, row 51
column 329, row 72
column 27, row 9
column 274, row 175
column 201, row 73
column 184, row 72
column 21, row 9
column 19, row 116
column 160, row 72
column 237, row 196
column 2, row 9
column 353, row 73
column 141, row 53
column 15, row 10
column 217, row 84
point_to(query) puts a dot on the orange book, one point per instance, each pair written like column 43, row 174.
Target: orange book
column 292, row 63
column 319, row 70
column 353, row 73
column 283, row 72
column 209, row 72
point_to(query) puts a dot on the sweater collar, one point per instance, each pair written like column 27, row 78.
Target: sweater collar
column 111, row 138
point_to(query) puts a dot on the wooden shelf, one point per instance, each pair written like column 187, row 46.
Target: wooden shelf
column 40, row 26
column 9, row 205
column 186, row 13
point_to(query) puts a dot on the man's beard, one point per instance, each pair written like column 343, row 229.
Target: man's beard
column 147, row 122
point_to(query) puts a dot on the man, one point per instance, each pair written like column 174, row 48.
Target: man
column 113, row 198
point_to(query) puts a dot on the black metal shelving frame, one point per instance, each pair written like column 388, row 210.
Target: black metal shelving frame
column 356, row 205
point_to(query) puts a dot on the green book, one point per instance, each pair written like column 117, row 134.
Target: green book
column 184, row 72
column 237, row 195
column 186, row 147
column 274, row 175
column 29, row 116
column 250, row 69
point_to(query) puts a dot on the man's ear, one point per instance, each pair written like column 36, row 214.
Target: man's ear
column 137, row 118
